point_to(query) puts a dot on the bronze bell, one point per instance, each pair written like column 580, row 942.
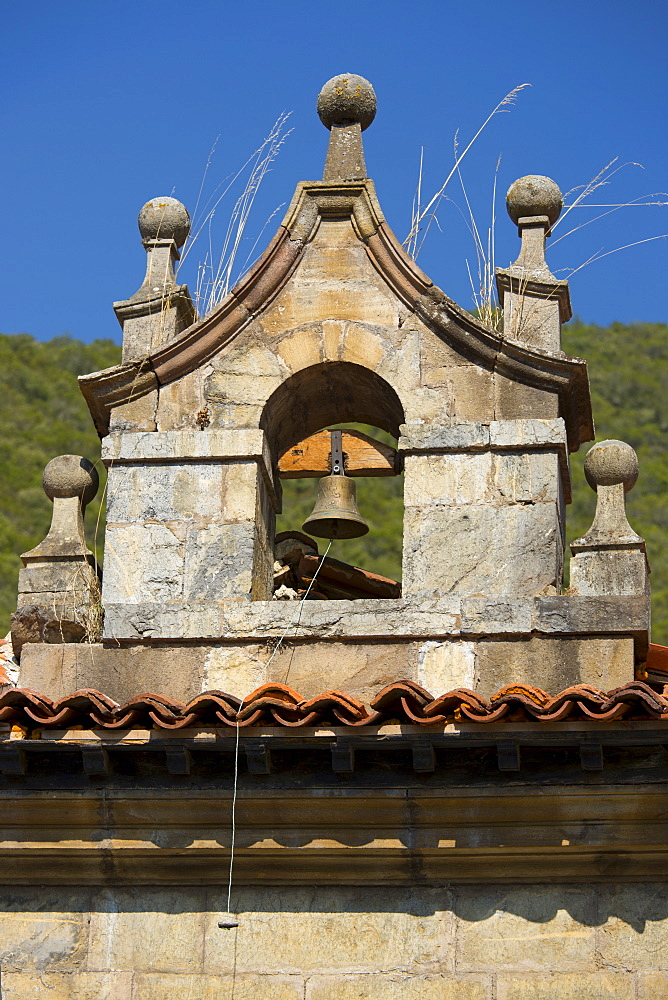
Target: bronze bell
column 335, row 514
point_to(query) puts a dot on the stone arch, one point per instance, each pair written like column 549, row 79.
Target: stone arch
column 328, row 393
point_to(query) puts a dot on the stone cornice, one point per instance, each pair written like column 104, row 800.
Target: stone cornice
column 567, row 377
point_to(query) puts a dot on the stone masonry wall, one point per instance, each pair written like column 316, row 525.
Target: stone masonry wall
column 347, row 943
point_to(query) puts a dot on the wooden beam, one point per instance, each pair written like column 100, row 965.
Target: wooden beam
column 362, row 456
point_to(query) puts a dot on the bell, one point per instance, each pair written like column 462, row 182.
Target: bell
column 335, row 514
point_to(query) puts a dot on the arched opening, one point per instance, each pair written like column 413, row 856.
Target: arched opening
column 324, row 397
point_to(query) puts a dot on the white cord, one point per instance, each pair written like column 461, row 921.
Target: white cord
column 295, row 621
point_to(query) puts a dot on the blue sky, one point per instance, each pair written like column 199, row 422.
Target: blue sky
column 109, row 104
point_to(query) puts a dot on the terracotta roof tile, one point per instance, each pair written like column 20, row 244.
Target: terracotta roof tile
column 279, row 705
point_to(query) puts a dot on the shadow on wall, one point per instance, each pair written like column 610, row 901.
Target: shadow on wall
column 635, row 904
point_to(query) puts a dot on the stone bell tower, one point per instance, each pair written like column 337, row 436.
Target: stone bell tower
column 336, row 323
column 191, row 757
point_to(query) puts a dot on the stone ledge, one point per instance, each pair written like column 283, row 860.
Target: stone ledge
column 387, row 619
column 498, row 435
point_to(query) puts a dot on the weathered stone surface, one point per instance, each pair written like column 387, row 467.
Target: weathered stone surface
column 612, row 571
column 407, row 987
column 188, row 445
column 528, row 433
column 554, row 664
column 522, row 929
column 147, row 930
column 120, row 672
column 143, row 563
column 43, row 929
column 361, row 670
column 482, row 616
column 576, row 986
column 652, row 985
column 168, row 986
column 517, row 550
column 67, row 986
column 401, row 618
column 635, row 934
column 573, row 614
column 170, row 620
column 138, row 415
column 165, row 492
column 398, row 929
column 445, row 666
column 514, row 401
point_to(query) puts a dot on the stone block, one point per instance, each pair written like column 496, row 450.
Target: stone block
column 169, row 446
column 235, row 669
column 178, row 620
column 248, row 354
column 138, row 415
column 554, row 664
column 173, row 492
column 401, row 618
column 169, row 986
column 143, row 563
column 507, row 550
column 469, row 394
column 482, row 616
column 436, row 358
column 614, row 571
column 333, row 930
column 470, row 436
column 218, row 562
column 447, row 480
column 410, row 987
column 652, row 985
column 179, row 403
column 43, row 929
column 242, row 482
column 445, row 666
column 571, row 613
column 359, row 669
column 524, row 929
column 514, row 401
column 121, row 672
column 576, row 986
column 67, row 986
column 249, row 387
column 528, row 433
column 635, row 933
column 147, row 930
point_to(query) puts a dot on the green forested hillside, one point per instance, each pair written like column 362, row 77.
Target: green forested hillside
column 42, row 414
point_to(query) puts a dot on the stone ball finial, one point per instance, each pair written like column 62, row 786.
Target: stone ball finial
column 164, row 219
column 70, row 476
column 534, row 195
column 611, row 462
column 346, row 99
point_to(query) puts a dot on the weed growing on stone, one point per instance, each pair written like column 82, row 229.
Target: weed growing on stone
column 219, row 269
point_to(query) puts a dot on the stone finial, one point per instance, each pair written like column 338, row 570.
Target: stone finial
column 610, row 558
column 535, row 303
column 163, row 220
column 611, row 469
column 160, row 309
column 534, row 197
column 59, row 585
column 345, row 100
column 347, row 106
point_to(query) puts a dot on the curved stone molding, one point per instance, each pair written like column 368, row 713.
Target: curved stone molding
column 565, row 377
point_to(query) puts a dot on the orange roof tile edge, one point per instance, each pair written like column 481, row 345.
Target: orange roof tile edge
column 279, row 705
